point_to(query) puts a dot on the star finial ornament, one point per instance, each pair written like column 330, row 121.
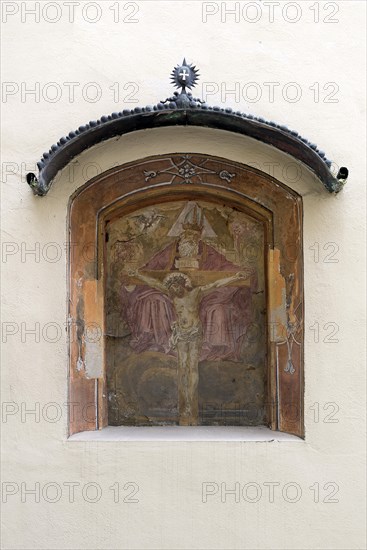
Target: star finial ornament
column 184, row 76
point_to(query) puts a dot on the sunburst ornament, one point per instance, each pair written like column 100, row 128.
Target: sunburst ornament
column 184, row 76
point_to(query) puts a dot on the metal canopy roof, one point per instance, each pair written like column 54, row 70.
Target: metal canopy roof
column 182, row 109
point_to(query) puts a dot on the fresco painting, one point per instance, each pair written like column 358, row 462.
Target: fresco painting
column 185, row 316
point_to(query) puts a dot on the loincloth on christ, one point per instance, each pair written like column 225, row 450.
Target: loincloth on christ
column 179, row 334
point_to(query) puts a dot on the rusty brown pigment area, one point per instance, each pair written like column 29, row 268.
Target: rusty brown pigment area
column 189, row 270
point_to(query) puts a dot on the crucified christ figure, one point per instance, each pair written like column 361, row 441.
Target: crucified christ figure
column 186, row 335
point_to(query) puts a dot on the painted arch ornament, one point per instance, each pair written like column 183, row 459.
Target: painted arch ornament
column 182, row 109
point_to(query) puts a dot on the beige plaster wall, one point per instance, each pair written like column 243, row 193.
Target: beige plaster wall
column 169, row 478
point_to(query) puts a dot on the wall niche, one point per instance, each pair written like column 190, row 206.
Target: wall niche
column 189, row 311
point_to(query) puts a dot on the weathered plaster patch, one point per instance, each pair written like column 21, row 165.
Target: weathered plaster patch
column 277, row 299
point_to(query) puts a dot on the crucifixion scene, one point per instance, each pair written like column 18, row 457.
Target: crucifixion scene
column 185, row 316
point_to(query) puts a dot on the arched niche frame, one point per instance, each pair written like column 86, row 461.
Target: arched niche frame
column 156, row 180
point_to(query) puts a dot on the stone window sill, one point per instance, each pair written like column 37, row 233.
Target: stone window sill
column 184, row 433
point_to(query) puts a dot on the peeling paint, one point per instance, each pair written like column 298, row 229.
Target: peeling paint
column 93, row 341
column 277, row 298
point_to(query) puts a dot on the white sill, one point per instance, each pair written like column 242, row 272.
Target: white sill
column 184, row 433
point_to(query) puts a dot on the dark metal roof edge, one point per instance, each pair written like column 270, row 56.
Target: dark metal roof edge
column 192, row 113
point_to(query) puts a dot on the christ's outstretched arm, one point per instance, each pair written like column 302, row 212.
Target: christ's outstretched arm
column 242, row 275
column 154, row 283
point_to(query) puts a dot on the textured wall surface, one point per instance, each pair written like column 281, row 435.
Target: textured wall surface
column 288, row 494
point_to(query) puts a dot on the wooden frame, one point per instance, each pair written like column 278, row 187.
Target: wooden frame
column 154, row 180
